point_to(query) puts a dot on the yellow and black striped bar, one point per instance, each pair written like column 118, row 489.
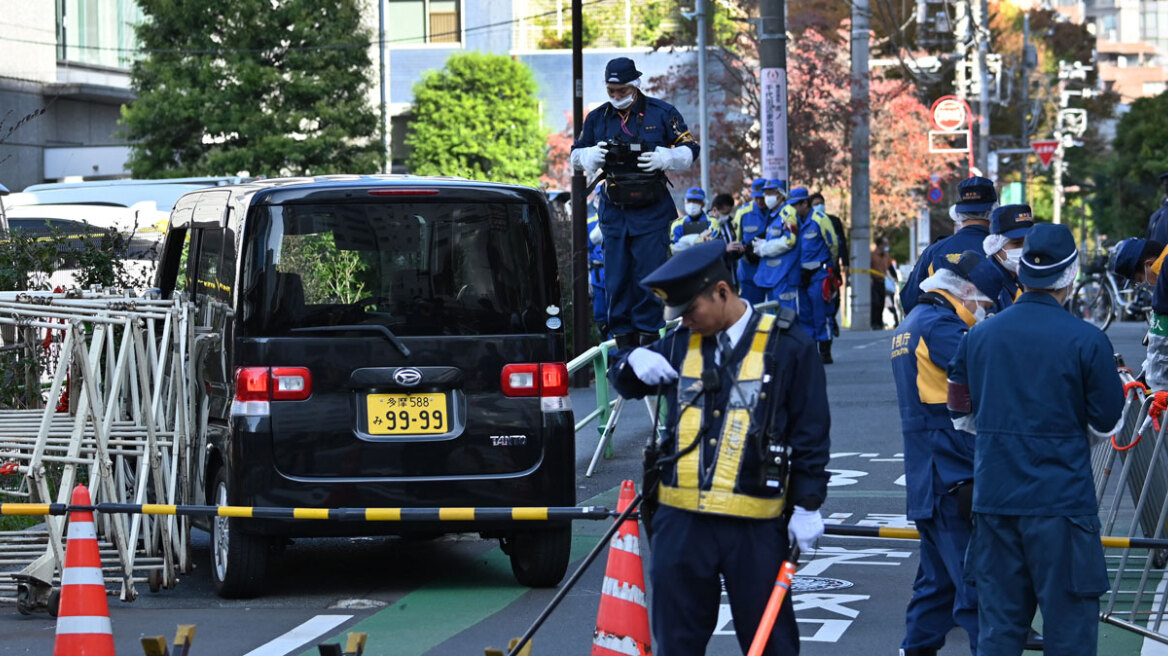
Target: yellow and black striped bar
column 911, row 534
column 33, row 508
column 336, row 514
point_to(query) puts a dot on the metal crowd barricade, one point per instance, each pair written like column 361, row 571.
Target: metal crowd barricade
column 114, row 413
column 1131, row 483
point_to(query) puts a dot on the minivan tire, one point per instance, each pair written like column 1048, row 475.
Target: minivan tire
column 238, row 560
column 539, row 559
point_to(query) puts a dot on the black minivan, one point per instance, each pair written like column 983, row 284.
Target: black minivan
column 375, row 341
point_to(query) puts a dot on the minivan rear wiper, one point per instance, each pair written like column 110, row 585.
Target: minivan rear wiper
column 393, row 339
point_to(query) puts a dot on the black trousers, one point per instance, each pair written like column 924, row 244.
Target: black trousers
column 877, row 297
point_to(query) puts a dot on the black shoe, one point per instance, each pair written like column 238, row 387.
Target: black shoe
column 825, row 352
column 919, row 651
column 1033, row 641
column 626, row 340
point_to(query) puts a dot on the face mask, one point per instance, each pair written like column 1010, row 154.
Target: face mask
column 771, row 201
column 693, row 209
column 623, row 103
column 1013, row 257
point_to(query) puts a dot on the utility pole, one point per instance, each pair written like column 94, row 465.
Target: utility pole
column 772, row 47
column 861, row 204
column 580, row 305
column 982, row 27
column 1025, row 96
column 703, row 116
column 385, row 156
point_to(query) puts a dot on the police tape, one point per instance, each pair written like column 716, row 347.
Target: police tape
column 895, row 533
column 871, row 272
column 547, row 513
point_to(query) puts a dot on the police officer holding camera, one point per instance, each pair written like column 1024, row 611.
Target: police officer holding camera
column 635, row 139
column 741, row 387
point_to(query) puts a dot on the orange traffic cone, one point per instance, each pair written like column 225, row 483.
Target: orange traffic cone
column 83, row 622
column 622, row 625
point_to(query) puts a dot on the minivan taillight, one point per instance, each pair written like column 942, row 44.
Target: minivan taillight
column 256, row 387
column 548, row 379
column 291, row 383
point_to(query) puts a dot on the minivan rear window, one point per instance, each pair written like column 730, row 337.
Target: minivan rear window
column 418, row 267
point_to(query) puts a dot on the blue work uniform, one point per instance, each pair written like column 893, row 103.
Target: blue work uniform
column 969, row 238
column 1158, row 223
column 751, row 223
column 596, row 280
column 937, row 458
column 1035, row 379
column 636, row 239
column 779, row 274
column 817, row 254
column 717, row 517
column 687, row 226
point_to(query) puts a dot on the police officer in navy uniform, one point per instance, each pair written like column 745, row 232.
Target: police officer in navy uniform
column 637, row 208
column 938, row 459
column 1009, row 225
column 1039, row 387
column 695, row 225
column 976, row 198
column 737, row 381
column 1157, row 225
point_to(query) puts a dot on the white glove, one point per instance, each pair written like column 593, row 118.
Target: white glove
column 651, row 367
column 685, row 242
column 596, row 236
column 805, row 528
column 590, row 158
column 666, row 159
column 772, row 247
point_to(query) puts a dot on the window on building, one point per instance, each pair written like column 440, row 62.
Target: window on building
column 97, row 32
column 424, row 21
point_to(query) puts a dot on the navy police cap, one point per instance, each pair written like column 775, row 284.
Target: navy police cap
column 1048, row 251
column 1012, row 221
column 1127, row 256
column 620, row 70
column 976, row 194
column 687, row 274
column 975, row 268
column 756, row 187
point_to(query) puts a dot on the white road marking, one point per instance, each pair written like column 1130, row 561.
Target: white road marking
column 298, row 638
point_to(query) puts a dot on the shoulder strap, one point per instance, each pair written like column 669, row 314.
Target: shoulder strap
column 786, row 318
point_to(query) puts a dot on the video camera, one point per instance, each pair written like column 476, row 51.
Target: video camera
column 621, row 155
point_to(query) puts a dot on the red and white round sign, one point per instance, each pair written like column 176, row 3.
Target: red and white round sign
column 949, row 113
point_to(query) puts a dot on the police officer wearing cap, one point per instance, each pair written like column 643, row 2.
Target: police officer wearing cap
column 1157, row 225
column 737, row 383
column 818, row 248
column 976, row 198
column 1009, row 225
column 938, row 459
column 695, row 226
column 751, row 223
column 635, row 139
column 1039, row 387
column 777, row 248
column 1133, row 257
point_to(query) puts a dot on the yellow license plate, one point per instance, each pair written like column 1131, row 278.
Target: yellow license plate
column 407, row 414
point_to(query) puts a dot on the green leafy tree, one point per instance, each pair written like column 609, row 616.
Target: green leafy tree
column 478, row 117
column 1128, row 193
column 251, row 85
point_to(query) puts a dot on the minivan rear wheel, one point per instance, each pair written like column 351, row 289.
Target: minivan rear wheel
column 539, row 559
column 238, row 560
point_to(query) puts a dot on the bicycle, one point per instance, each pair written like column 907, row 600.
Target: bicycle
column 1101, row 296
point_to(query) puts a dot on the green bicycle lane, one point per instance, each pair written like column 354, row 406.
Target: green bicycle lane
column 470, row 593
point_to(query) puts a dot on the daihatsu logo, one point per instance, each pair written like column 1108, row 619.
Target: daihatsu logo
column 407, row 376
